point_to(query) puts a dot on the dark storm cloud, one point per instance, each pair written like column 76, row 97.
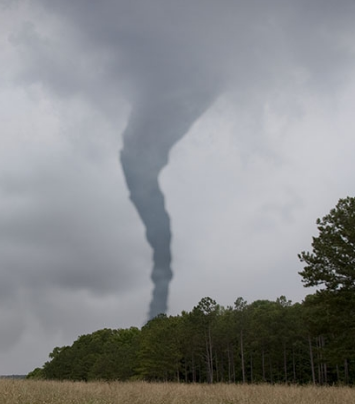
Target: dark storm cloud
column 162, row 45
column 171, row 53
column 58, row 246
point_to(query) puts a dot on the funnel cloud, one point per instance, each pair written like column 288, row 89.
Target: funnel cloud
column 153, row 128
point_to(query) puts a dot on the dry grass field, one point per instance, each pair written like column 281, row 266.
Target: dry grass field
column 46, row 392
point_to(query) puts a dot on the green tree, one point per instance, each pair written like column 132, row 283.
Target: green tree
column 105, row 354
column 192, row 346
column 332, row 265
column 332, row 262
column 118, row 357
column 241, row 306
column 36, row 374
column 159, row 352
column 60, row 365
column 205, row 314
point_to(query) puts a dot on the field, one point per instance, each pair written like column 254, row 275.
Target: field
column 45, row 392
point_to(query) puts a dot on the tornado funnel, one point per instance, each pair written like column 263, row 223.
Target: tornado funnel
column 155, row 125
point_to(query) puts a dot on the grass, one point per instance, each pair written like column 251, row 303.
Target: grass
column 47, row 392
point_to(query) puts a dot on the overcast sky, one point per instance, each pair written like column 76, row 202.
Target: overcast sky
column 273, row 151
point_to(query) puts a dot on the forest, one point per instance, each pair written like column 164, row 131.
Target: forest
column 259, row 342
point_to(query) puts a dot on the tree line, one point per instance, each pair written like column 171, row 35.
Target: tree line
column 263, row 341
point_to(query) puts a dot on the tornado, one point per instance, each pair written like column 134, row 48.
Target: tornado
column 155, row 125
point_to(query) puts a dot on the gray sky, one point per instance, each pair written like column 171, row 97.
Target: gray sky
column 274, row 151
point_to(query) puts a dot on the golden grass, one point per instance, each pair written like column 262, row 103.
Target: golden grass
column 47, row 392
